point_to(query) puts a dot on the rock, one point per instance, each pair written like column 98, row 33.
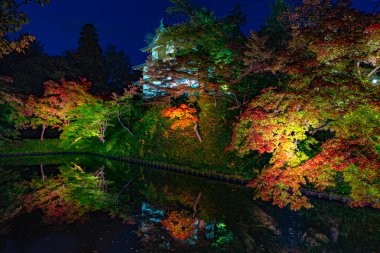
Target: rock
column 249, row 243
column 311, row 242
column 322, row 237
column 266, row 220
column 334, row 234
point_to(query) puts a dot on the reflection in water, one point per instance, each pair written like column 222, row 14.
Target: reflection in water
column 163, row 211
column 69, row 195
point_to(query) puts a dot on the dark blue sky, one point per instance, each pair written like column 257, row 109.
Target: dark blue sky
column 124, row 23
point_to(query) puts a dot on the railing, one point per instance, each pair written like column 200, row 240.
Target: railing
column 156, row 165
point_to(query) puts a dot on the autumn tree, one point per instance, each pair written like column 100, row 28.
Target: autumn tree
column 184, row 117
column 180, row 225
column 322, row 125
column 12, row 18
column 52, row 109
column 68, row 196
column 40, row 114
column 287, row 125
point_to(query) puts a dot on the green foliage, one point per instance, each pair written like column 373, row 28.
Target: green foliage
column 53, row 109
column 224, row 238
column 11, row 189
column 67, row 197
column 202, row 48
column 10, row 116
column 88, row 120
column 93, row 118
column 87, row 188
column 319, row 128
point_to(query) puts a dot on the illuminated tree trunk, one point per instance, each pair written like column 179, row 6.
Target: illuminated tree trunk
column 42, row 132
column 103, row 128
column 42, row 172
column 124, row 126
column 197, row 133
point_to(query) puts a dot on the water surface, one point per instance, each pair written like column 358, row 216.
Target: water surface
column 136, row 209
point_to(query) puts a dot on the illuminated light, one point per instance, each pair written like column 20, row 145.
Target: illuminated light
column 221, row 225
column 375, row 81
column 224, row 87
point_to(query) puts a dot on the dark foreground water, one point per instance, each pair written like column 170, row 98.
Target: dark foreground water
column 83, row 204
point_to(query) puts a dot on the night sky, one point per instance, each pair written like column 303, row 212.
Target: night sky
column 125, row 23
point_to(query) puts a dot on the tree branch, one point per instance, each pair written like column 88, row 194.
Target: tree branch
column 373, row 71
column 124, row 126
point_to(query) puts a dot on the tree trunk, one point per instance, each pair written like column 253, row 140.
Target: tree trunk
column 42, row 132
column 197, row 133
column 103, row 128
column 124, row 126
column 42, row 172
column 196, row 204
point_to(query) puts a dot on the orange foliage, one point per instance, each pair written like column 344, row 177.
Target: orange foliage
column 53, row 203
column 284, row 124
column 184, row 115
column 179, row 225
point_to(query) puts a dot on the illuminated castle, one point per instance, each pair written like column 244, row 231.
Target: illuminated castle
column 150, row 85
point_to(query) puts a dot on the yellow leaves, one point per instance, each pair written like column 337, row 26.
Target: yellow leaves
column 181, row 124
column 7, row 46
column 165, row 134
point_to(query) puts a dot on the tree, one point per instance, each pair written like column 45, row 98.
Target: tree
column 125, row 108
column 184, row 116
column 88, row 58
column 88, row 45
column 54, row 107
column 322, row 125
column 180, row 225
column 287, row 126
column 119, row 68
column 68, row 196
column 40, row 114
column 181, row 8
column 32, row 68
column 12, row 19
column 89, row 120
column 10, row 116
column 276, row 26
column 92, row 118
